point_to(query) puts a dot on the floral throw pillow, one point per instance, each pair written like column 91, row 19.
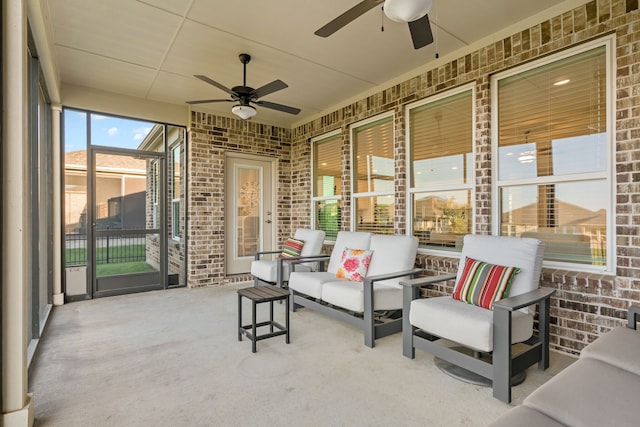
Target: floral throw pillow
column 354, row 264
column 292, row 248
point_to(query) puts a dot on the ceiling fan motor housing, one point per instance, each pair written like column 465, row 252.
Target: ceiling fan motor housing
column 406, row 10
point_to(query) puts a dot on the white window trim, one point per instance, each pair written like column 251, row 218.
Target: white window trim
column 609, row 43
column 174, row 236
column 435, row 188
column 315, row 199
column 352, row 178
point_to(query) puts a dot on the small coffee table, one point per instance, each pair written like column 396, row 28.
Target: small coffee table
column 258, row 295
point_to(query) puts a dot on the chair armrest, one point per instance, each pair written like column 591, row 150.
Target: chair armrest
column 427, row 280
column 301, row 259
column 633, row 316
column 524, row 300
column 395, row 275
column 257, row 254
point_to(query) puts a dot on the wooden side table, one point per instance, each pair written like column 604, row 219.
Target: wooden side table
column 257, row 295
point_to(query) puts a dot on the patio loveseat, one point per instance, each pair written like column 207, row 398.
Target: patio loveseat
column 360, row 301
column 600, row 389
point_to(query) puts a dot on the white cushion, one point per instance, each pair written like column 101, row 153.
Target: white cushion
column 589, row 393
column 463, row 323
column 347, row 239
column 310, row 283
column 619, row 347
column 313, row 240
column 350, row 295
column 392, row 254
column 267, row 270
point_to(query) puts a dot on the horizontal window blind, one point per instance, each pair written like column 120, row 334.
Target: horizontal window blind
column 373, row 165
column 327, row 168
column 441, row 141
column 553, row 111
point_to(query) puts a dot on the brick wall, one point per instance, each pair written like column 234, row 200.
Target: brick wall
column 210, row 138
column 585, row 305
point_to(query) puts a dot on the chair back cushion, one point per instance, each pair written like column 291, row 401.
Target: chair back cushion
column 392, row 254
column 523, row 253
column 347, row 239
column 313, row 240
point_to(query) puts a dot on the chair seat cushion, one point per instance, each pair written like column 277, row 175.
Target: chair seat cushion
column 463, row 323
column 267, row 270
column 350, row 295
column 589, row 393
column 619, row 347
column 310, row 283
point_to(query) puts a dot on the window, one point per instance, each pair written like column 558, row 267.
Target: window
column 373, row 175
column 441, row 170
column 327, row 183
column 552, row 179
column 176, row 156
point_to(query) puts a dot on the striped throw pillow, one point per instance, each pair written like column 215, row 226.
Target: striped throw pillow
column 482, row 283
column 292, row 248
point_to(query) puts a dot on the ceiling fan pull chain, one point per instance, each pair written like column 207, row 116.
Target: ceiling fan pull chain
column 382, row 19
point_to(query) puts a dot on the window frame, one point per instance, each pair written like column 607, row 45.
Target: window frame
column 436, row 188
column 353, row 179
column 175, row 222
column 314, row 199
column 608, row 175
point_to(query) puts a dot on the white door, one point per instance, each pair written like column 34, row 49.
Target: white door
column 249, row 210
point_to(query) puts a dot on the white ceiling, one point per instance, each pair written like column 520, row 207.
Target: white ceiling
column 152, row 48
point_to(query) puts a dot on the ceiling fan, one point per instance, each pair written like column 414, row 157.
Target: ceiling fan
column 245, row 95
column 413, row 12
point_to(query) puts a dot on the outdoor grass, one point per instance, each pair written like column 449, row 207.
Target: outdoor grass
column 123, row 268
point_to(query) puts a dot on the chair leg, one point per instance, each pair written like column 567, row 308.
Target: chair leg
column 369, row 327
column 543, row 332
column 408, row 295
column 502, row 367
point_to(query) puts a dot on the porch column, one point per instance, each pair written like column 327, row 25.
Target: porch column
column 58, row 295
column 17, row 406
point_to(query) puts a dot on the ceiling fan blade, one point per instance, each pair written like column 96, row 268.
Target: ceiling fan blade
column 348, row 16
column 214, row 83
column 274, row 86
column 206, row 101
column 279, row 107
column 421, row 32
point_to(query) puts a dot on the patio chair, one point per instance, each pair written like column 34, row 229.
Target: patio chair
column 483, row 331
column 276, row 271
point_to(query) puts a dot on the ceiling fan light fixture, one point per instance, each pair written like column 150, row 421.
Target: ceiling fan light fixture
column 244, row 111
column 406, row 10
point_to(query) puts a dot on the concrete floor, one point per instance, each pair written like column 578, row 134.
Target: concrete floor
column 172, row 358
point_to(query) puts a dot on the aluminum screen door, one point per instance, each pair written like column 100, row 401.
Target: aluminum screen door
column 128, row 242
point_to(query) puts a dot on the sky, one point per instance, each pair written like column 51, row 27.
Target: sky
column 105, row 130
